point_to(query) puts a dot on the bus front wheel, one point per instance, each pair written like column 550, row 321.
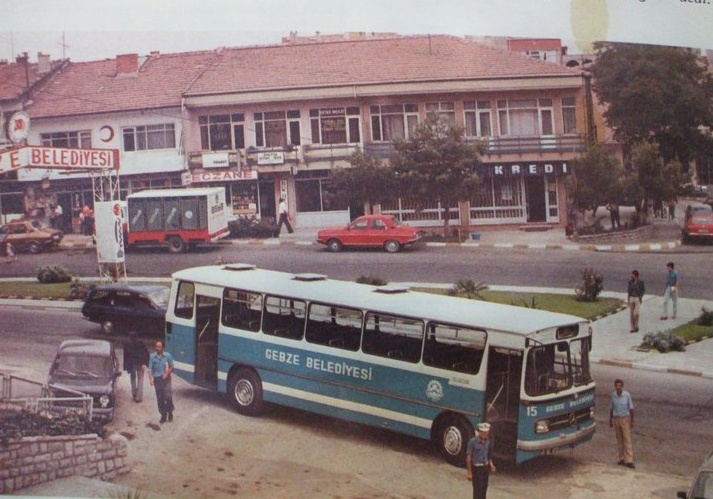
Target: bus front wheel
column 452, row 439
column 176, row 245
column 246, row 392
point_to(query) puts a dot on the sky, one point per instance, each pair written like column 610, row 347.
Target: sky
column 91, row 30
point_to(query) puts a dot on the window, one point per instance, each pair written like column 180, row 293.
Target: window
column 315, row 192
column 444, row 110
column 548, row 369
column 526, row 117
column 569, row 115
column 455, row 348
column 82, row 139
column 477, row 118
column 337, row 327
column 184, row 300
column 147, row 137
column 284, row 317
column 392, row 122
column 394, row 337
column 335, row 125
column 222, row 132
column 277, row 128
column 242, row 309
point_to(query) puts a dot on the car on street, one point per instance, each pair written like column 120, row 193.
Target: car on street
column 702, row 487
column 375, row 231
column 88, row 367
column 120, row 307
column 30, row 236
column 699, row 227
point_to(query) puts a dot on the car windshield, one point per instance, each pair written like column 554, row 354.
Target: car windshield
column 558, row 366
column 160, row 297
column 82, row 366
column 703, row 488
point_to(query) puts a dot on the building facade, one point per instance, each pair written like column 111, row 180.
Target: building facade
column 276, row 121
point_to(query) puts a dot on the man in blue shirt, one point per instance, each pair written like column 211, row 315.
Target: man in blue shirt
column 160, row 368
column 671, row 291
column 621, row 418
column 478, row 461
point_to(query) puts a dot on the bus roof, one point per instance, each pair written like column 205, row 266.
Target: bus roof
column 521, row 321
column 187, row 192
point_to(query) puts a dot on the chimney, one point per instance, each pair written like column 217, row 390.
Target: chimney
column 43, row 63
column 127, row 64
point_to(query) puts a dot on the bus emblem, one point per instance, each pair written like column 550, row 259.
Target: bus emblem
column 434, row 391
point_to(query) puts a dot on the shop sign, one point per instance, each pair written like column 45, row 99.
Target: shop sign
column 59, row 158
column 522, row 169
column 270, row 158
column 189, row 178
column 216, row 160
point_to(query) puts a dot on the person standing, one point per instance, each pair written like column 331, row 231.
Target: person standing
column 160, row 368
column 635, row 295
column 621, row 418
column 136, row 358
column 479, row 464
column 671, row 291
column 284, row 213
column 614, row 216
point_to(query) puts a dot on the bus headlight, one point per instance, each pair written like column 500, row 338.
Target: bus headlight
column 104, row 400
column 542, row 426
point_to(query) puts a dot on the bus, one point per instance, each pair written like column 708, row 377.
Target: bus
column 428, row 365
column 177, row 218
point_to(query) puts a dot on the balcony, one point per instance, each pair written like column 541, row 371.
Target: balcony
column 537, row 144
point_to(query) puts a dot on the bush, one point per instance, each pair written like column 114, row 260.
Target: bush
column 79, row 290
column 371, row 279
column 592, row 285
column 469, row 289
column 663, row 341
column 49, row 274
column 19, row 424
column 706, row 317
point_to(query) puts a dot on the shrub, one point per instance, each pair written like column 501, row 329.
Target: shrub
column 79, row 290
column 469, row 289
column 592, row 284
column 49, row 274
column 706, row 317
column 26, row 424
column 371, row 279
column 663, row 341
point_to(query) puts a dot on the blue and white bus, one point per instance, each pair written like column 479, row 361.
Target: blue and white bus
column 419, row 363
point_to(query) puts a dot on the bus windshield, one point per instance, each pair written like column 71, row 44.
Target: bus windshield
column 556, row 367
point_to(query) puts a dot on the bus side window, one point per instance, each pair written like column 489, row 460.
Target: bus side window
column 284, row 317
column 184, row 300
column 242, row 309
column 455, row 348
column 334, row 326
column 392, row 336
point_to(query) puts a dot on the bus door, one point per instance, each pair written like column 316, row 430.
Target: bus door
column 502, row 398
column 207, row 321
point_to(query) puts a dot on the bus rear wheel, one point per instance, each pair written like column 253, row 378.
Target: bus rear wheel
column 452, row 438
column 176, row 245
column 245, row 390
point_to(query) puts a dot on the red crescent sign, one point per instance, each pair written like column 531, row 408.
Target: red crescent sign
column 111, row 133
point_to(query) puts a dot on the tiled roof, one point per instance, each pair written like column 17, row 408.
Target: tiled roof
column 412, row 58
column 14, row 80
column 94, row 87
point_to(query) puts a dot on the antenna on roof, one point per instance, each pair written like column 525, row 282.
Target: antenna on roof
column 64, row 46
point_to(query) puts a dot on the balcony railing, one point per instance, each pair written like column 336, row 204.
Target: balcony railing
column 538, row 144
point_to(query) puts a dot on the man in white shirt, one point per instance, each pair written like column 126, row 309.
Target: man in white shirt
column 284, row 213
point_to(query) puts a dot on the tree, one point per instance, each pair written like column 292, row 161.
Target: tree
column 367, row 181
column 436, row 162
column 654, row 94
column 596, row 180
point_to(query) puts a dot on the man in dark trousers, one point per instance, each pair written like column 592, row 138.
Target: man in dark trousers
column 636, row 292
column 136, row 358
column 479, row 462
column 160, row 368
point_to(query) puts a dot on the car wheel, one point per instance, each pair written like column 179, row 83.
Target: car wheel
column 107, row 327
column 245, row 390
column 334, row 245
column 452, row 437
column 33, row 247
column 176, row 245
column 392, row 246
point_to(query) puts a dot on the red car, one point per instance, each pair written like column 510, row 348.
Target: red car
column 375, row 231
column 699, row 227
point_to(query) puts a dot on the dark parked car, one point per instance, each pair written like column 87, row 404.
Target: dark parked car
column 376, row 231
column 702, row 487
column 120, row 307
column 29, row 236
column 87, row 366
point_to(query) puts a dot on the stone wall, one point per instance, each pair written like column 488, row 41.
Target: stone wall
column 30, row 461
column 637, row 235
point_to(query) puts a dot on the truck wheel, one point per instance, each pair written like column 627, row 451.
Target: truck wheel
column 176, row 245
column 245, row 391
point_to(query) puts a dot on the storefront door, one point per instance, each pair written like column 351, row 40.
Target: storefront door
column 535, row 193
